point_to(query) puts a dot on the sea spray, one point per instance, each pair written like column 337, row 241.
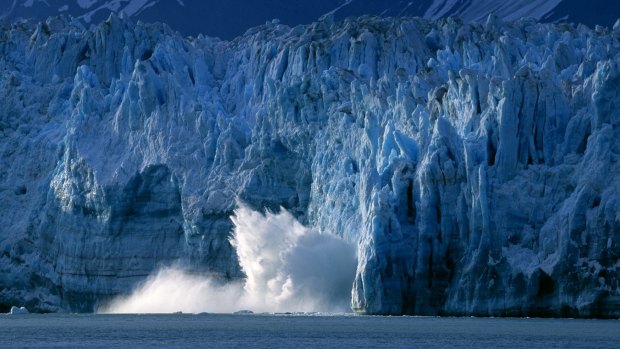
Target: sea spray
column 172, row 289
column 288, row 267
column 291, row 267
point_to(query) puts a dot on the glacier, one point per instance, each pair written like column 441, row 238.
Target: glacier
column 474, row 166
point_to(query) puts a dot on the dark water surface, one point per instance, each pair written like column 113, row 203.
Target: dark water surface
column 291, row 331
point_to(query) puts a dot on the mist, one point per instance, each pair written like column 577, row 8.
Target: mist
column 288, row 268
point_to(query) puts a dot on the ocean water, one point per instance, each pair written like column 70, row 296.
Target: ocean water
column 297, row 331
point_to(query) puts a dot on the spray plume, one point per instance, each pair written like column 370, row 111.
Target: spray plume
column 288, row 267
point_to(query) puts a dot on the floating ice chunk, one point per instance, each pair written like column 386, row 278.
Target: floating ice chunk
column 243, row 312
column 18, row 310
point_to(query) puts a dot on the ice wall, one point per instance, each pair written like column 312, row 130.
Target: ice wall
column 474, row 165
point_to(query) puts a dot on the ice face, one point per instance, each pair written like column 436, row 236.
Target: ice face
column 475, row 166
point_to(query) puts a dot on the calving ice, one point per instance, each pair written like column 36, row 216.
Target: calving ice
column 473, row 167
column 288, row 268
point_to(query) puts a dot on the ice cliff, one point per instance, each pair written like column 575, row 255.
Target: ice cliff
column 476, row 166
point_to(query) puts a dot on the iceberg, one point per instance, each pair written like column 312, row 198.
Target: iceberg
column 18, row 310
column 475, row 166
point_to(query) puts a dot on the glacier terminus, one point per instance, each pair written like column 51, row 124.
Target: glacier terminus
column 474, row 166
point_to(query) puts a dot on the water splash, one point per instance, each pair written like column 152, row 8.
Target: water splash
column 288, row 267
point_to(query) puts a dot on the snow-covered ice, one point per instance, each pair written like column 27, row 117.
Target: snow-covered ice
column 230, row 18
column 474, row 166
